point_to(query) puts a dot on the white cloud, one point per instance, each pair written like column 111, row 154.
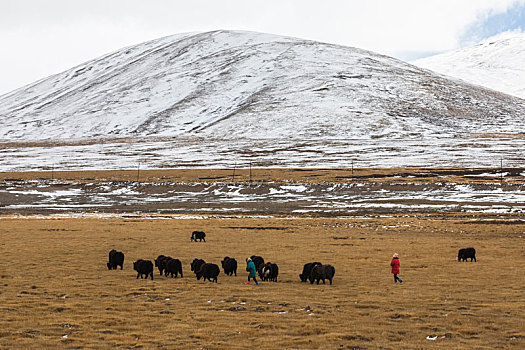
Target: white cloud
column 44, row 37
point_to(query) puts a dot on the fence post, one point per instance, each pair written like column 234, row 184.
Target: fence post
column 501, row 169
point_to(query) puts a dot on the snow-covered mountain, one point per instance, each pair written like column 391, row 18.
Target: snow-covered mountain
column 497, row 63
column 231, row 98
column 233, row 84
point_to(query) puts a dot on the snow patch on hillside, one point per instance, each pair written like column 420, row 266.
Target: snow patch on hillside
column 497, row 63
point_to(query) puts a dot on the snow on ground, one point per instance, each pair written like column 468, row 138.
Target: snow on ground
column 262, row 198
column 460, row 152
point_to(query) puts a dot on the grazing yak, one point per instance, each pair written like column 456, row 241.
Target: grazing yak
column 269, row 272
column 322, row 272
column 209, row 272
column 466, row 253
column 143, row 267
column 173, row 267
column 196, row 264
column 115, row 259
column 229, row 265
column 160, row 263
column 307, row 269
column 198, row 235
column 257, row 261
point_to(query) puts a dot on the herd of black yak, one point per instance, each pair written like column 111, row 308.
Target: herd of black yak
column 168, row 266
column 313, row 271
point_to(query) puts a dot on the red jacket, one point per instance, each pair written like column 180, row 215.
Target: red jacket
column 395, row 265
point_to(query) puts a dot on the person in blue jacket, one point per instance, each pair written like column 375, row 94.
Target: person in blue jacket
column 250, row 267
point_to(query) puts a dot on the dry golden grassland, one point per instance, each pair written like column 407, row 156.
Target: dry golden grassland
column 55, row 289
column 299, row 175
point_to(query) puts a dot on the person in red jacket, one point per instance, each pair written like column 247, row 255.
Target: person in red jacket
column 395, row 268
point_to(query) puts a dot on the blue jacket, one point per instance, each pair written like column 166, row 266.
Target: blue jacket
column 250, row 267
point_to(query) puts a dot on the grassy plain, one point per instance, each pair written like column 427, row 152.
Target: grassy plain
column 55, row 290
column 299, row 175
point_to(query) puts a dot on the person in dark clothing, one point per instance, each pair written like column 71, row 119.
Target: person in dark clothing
column 250, row 267
column 395, row 268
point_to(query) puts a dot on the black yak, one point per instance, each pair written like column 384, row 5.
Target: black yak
column 269, row 272
column 115, row 259
column 198, row 235
column 322, row 272
column 209, row 272
column 173, row 267
column 257, row 261
column 229, row 265
column 466, row 253
column 196, row 264
column 160, row 263
column 307, row 269
column 143, row 267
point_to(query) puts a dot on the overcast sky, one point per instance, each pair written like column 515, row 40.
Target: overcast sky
column 43, row 37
